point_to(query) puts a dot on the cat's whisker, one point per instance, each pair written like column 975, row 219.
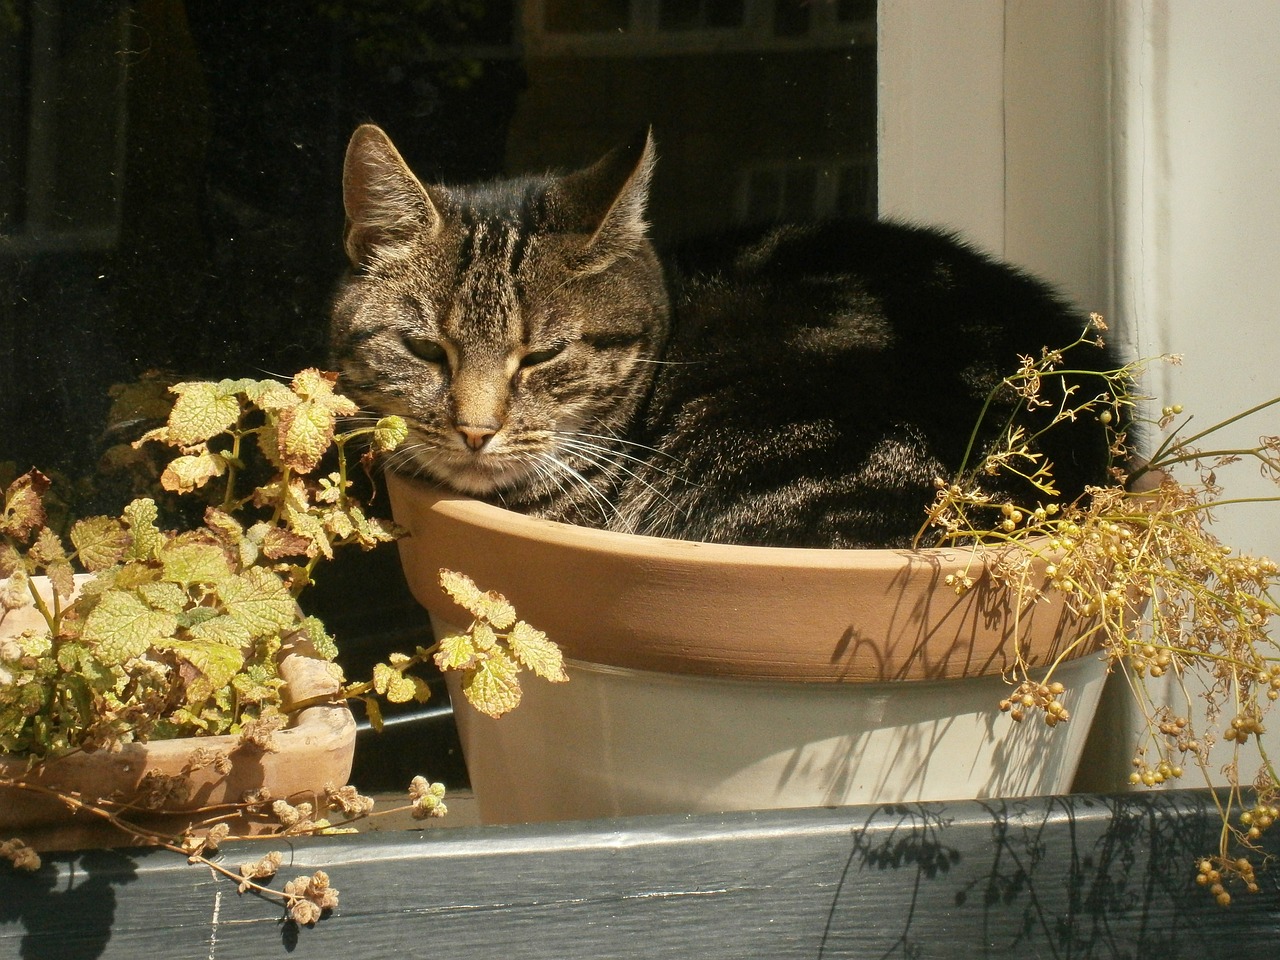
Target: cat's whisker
column 604, row 458
column 607, row 509
column 629, row 443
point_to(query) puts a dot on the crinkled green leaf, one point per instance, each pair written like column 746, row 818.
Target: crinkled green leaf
column 533, row 650
column 202, row 410
column 373, row 712
column 164, row 595
column 223, row 630
column 217, row 662
column 317, row 386
column 191, row 472
column 192, row 617
column 100, row 542
column 278, row 543
column 392, row 684
column 257, row 683
column 270, row 395
column 312, row 529
column 260, row 601
column 340, row 522
column 145, row 537
column 421, row 689
column 23, row 505
column 324, row 644
column 492, row 686
column 491, row 607
column 456, row 651
column 371, row 531
column 191, row 563
column 121, row 627
column 232, row 387
column 47, row 548
column 389, row 433
column 484, row 637
column 303, row 434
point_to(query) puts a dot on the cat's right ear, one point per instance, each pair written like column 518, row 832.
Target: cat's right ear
column 387, row 208
column 607, row 200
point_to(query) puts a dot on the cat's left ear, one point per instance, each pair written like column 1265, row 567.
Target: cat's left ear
column 607, row 200
column 387, row 207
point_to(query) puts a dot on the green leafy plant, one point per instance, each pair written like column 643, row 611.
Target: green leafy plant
column 169, row 633
column 1165, row 601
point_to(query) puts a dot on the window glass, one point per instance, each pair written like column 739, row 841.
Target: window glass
column 170, row 189
column 170, row 171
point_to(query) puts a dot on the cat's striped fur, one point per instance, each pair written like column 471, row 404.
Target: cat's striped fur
column 802, row 385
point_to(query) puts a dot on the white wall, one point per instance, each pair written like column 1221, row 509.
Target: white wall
column 1129, row 152
column 994, row 122
column 1203, row 195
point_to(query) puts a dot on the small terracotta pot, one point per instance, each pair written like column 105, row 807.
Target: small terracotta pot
column 315, row 750
column 708, row 676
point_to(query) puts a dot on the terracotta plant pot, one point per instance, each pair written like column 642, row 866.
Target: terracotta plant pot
column 712, row 677
column 315, row 750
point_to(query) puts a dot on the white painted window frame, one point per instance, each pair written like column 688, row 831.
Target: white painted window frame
column 1127, row 152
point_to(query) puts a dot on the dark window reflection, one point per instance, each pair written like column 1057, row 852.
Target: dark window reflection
column 170, row 170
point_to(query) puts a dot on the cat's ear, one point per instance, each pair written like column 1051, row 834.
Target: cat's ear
column 387, row 208
column 607, row 200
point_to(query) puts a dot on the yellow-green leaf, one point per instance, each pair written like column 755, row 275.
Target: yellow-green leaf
column 223, row 630
column 484, row 637
column 145, row 537
column 191, row 563
column 121, row 627
column 23, row 506
column 389, row 433
column 260, row 601
column 492, row 687
column 533, row 650
column 202, row 410
column 456, row 651
column 303, row 434
column 219, row 663
column 392, row 684
column 100, row 542
column 270, row 395
column 317, row 385
column 491, row 606
column 373, row 712
column 421, row 690
column 163, row 595
column 187, row 473
column 319, row 637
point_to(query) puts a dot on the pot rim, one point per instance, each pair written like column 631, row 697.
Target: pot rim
column 776, row 613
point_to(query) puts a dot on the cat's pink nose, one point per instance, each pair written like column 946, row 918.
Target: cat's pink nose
column 476, row 437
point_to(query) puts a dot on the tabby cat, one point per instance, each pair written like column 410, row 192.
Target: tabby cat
column 797, row 385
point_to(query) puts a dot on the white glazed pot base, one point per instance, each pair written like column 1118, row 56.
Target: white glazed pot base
column 617, row 742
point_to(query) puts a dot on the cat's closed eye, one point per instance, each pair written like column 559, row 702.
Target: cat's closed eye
column 535, row 357
column 424, row 348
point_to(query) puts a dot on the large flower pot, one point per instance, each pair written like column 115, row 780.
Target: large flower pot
column 316, row 749
column 711, row 677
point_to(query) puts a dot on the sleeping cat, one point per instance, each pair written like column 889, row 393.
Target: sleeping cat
column 796, row 385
